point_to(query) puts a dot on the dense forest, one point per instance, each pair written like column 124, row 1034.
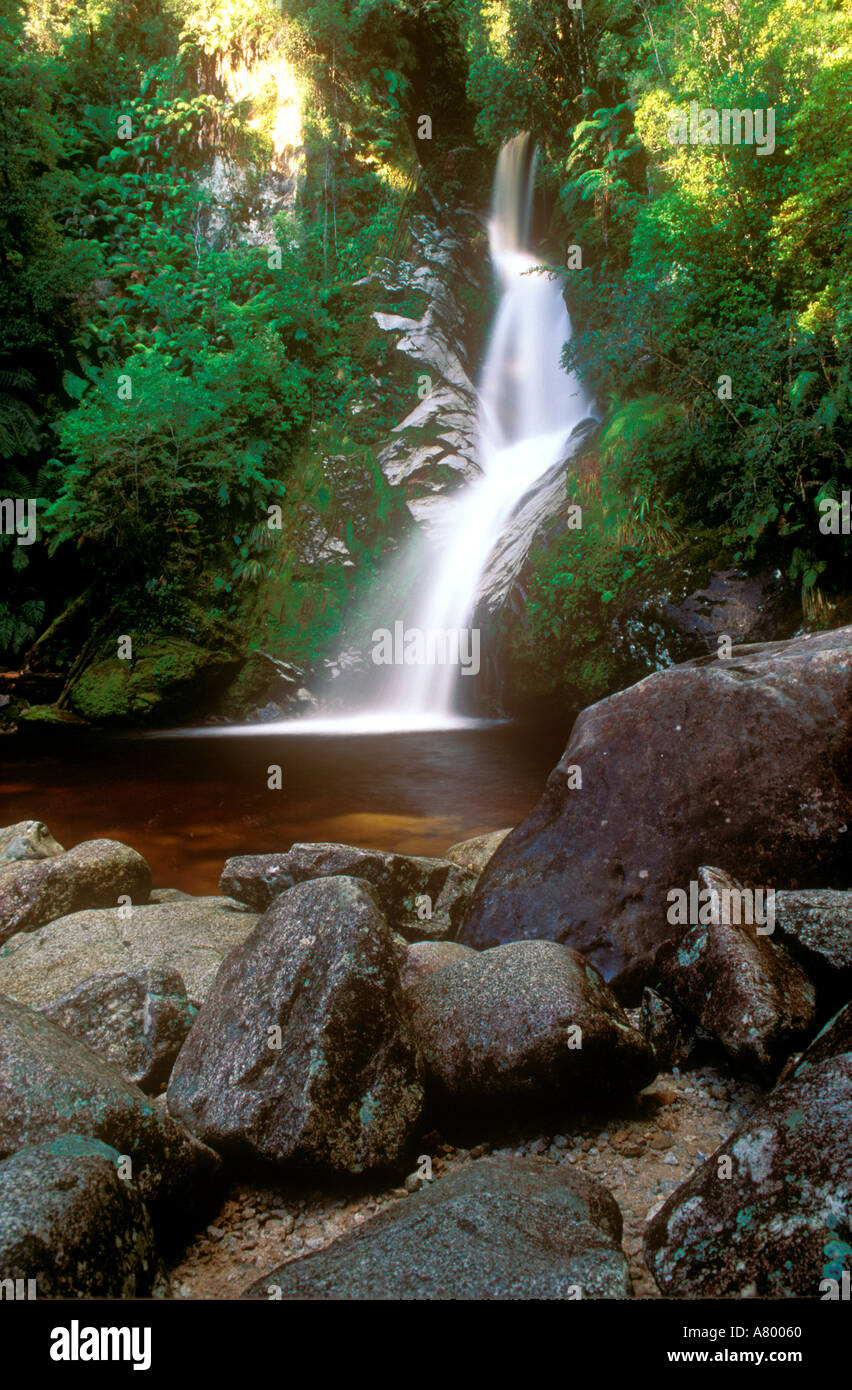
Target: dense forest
column 199, row 206
column 350, row 349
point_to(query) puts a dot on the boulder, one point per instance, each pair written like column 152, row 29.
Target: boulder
column 500, row 1228
column 136, row 1020
column 193, row 938
column 653, row 783
column 167, row 678
column 94, row 874
column 51, row 1084
column 421, row 898
column 71, row 1224
column 742, row 987
column 302, row 1053
column 503, row 1026
column 816, row 924
column 423, row 958
column 744, row 607
column 29, row 839
column 474, row 854
column 266, row 682
column 833, row 1040
column 775, row 1220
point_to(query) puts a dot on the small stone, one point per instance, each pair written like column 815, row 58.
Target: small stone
column 660, row 1140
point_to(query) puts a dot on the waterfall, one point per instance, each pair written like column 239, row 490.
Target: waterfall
column 527, row 409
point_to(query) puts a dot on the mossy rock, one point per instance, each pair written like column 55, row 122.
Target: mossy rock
column 165, row 679
column 262, row 679
column 621, row 618
column 49, row 714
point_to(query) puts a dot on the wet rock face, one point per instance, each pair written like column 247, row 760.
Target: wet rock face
column 527, row 1022
column 94, row 874
column 302, row 1052
column 746, row 608
column 769, row 1214
column 433, row 450
column 741, row 987
column 500, row 1228
column 137, row 1022
column 267, row 688
column 52, row 1085
column 541, row 513
column 423, row 899
column 663, row 791
column 69, row 1223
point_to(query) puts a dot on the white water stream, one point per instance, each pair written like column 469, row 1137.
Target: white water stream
column 528, row 407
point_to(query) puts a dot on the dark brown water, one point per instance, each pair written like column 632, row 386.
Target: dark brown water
column 188, row 803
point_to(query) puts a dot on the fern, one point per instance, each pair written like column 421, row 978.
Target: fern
column 18, row 627
column 18, row 420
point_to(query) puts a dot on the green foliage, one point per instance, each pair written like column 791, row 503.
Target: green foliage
column 154, row 481
column 699, row 264
column 157, row 500
column 19, row 625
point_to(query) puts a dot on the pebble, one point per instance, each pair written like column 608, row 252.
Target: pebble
column 256, row 1229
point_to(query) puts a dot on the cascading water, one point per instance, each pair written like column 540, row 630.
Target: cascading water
column 528, row 408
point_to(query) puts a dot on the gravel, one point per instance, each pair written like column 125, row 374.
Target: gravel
column 641, row 1154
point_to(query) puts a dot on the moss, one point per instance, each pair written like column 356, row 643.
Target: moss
column 48, row 714
column 165, row 677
